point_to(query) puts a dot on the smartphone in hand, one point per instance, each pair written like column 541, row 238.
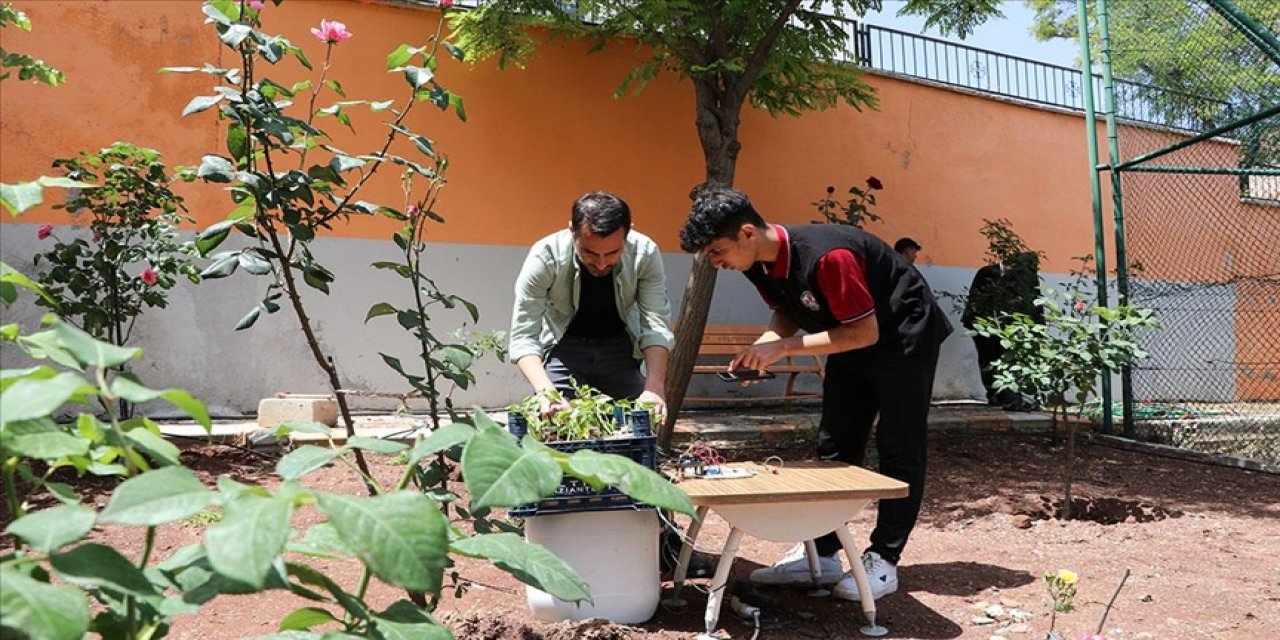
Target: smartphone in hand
column 746, row 374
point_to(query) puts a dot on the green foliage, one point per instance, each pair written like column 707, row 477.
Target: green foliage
column 1182, row 47
column 56, row 584
column 855, row 213
column 787, row 57
column 284, row 193
column 587, row 416
column 28, row 68
column 133, row 257
column 1076, row 342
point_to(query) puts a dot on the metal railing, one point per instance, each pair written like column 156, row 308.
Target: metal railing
column 1011, row 76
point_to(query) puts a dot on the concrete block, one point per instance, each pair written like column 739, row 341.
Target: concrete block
column 297, row 407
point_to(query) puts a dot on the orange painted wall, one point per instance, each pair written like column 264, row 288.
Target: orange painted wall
column 537, row 138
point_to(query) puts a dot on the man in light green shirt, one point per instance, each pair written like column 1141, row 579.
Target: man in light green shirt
column 590, row 304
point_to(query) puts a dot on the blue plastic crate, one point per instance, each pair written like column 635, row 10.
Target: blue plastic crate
column 574, row 495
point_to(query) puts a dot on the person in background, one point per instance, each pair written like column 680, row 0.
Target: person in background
column 590, row 304
column 1010, row 285
column 908, row 248
column 877, row 321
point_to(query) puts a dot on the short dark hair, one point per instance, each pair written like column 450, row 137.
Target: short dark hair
column 906, row 243
column 601, row 213
column 718, row 212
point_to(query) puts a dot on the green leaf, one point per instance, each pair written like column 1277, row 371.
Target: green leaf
column 455, row 51
column 237, row 141
column 304, row 460
column 248, row 540
column 101, row 566
column 402, row 537
column 376, row 445
column 90, row 351
column 254, row 263
column 190, row 405
column 156, row 447
column 53, row 528
column 157, row 497
column 304, row 427
column 400, row 56
column 305, row 618
column 342, row 164
column 9, row 275
column 32, row 398
column 529, row 563
column 41, row 611
column 443, row 439
column 64, row 183
column 499, row 473
column 235, row 34
column 631, row 478
column 336, row 86
column 315, row 281
column 249, row 318
column 418, row 76
column 201, row 103
column 222, row 266
column 20, row 197
column 42, row 439
column 380, row 309
column 321, row 540
column 424, row 145
column 455, row 101
column 216, row 169
column 406, row 621
column 210, row 238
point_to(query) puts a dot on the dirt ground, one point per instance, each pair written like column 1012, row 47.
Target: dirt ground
column 1202, row 544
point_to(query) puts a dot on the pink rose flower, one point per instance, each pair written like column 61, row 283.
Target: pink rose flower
column 1093, row 636
column 1080, row 306
column 412, row 210
column 149, row 276
column 257, row 5
column 331, row 32
column 45, row 231
column 445, row 4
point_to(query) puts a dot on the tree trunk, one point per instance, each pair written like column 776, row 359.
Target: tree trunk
column 718, row 115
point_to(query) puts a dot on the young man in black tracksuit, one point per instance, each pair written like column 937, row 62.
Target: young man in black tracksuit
column 862, row 303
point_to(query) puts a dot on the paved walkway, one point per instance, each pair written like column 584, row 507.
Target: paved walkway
column 740, row 426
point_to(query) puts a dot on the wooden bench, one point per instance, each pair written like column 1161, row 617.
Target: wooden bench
column 723, row 341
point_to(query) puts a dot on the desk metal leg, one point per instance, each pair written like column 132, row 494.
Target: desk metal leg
column 686, row 552
column 720, row 583
column 864, row 585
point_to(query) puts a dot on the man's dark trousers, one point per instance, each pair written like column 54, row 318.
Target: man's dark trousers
column 857, row 388
column 989, row 350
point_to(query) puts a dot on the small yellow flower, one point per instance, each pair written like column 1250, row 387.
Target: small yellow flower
column 1067, row 576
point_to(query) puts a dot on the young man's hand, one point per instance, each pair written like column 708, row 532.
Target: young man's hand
column 759, row 356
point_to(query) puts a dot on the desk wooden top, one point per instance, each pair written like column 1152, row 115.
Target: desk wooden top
column 793, row 482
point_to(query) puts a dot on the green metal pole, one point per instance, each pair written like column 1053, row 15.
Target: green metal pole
column 1199, row 137
column 1117, row 205
column 1252, row 30
column 1095, row 184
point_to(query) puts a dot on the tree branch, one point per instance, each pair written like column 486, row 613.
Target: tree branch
column 756, row 64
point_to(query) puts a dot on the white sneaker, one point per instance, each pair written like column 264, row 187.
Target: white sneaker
column 881, row 573
column 793, row 569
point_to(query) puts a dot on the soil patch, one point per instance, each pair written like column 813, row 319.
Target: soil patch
column 1201, row 542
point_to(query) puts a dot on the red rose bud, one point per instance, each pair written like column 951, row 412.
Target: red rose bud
column 875, row 183
column 44, row 231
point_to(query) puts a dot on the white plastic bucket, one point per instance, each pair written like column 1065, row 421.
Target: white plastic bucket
column 616, row 552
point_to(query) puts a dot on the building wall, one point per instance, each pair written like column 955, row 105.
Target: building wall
column 535, row 140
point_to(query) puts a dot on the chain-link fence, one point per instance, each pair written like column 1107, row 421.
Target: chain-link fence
column 1200, row 202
